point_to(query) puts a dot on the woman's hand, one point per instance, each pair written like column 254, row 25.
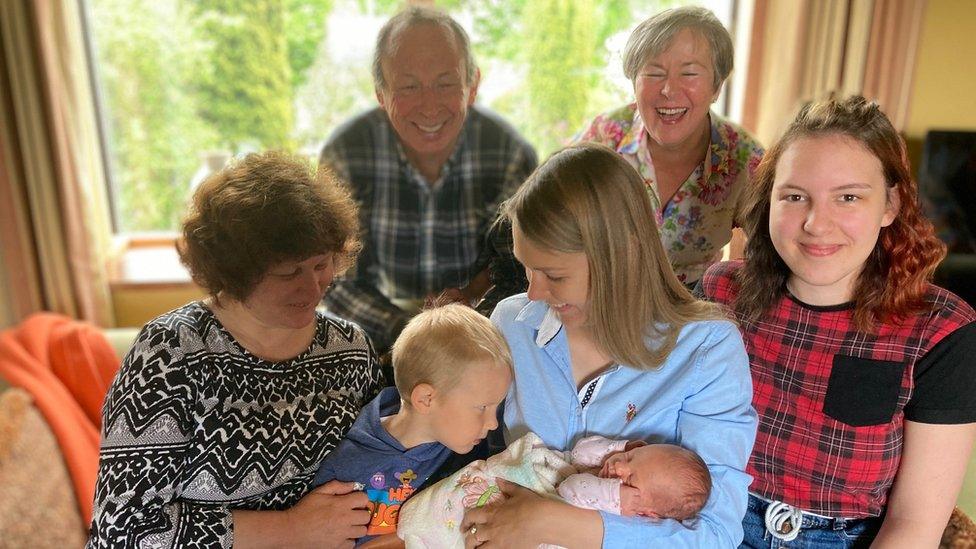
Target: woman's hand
column 526, row 519
column 331, row 516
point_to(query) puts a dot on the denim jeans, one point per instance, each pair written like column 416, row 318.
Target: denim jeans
column 815, row 532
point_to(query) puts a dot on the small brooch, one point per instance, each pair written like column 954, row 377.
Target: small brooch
column 631, row 411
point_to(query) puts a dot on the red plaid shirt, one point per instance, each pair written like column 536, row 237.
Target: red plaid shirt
column 832, row 400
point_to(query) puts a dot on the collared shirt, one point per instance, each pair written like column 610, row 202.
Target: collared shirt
column 421, row 237
column 699, row 398
column 832, row 399
column 698, row 220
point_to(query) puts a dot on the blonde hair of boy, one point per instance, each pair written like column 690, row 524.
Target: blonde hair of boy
column 438, row 346
column 587, row 198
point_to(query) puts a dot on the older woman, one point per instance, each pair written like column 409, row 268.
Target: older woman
column 223, row 409
column 862, row 369
column 695, row 163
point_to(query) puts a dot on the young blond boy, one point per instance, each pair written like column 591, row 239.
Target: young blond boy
column 452, row 368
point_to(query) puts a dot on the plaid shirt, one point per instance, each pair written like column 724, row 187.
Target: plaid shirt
column 420, row 238
column 832, row 400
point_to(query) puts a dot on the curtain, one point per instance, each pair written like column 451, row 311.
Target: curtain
column 53, row 206
column 808, row 49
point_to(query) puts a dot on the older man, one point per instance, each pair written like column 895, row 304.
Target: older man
column 429, row 169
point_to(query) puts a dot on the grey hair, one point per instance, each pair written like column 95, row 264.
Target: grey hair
column 656, row 33
column 413, row 16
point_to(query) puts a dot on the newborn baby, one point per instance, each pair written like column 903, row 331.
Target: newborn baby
column 628, row 478
column 656, row 480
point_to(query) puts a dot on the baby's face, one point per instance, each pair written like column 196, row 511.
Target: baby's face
column 642, row 471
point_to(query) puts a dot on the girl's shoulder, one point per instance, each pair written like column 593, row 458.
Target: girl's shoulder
column 708, row 333
column 719, row 283
column 945, row 313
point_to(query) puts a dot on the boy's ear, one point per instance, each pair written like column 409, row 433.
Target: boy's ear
column 421, row 397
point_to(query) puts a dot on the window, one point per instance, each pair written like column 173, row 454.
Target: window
column 186, row 84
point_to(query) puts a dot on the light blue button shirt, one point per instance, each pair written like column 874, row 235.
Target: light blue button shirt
column 700, row 398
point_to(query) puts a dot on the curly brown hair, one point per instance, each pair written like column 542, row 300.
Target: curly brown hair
column 260, row 210
column 893, row 282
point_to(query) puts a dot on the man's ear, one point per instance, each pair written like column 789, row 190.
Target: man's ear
column 379, row 98
column 421, row 397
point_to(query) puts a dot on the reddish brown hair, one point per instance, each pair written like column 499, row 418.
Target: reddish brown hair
column 261, row 210
column 893, row 281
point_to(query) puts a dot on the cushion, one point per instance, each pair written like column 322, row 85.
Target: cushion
column 37, row 501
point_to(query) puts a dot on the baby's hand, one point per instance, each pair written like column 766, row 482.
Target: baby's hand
column 629, row 500
column 606, row 466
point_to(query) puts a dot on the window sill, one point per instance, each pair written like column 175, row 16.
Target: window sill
column 148, row 262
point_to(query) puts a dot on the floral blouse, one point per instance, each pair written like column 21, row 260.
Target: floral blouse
column 697, row 221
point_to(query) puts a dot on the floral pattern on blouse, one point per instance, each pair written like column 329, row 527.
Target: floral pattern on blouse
column 698, row 220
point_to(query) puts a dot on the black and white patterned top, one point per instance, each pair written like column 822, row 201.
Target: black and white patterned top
column 194, row 426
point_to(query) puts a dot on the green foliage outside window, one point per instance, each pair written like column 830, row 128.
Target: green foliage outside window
column 181, row 79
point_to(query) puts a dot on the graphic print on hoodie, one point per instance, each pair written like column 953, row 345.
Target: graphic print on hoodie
column 389, row 472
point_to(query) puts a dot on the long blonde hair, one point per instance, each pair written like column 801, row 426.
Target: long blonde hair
column 587, row 198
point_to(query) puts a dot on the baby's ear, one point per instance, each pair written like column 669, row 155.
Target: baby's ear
column 421, row 397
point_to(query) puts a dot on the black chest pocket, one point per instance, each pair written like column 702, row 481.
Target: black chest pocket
column 862, row 391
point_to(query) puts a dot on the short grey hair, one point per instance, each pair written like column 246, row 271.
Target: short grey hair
column 411, row 17
column 656, row 33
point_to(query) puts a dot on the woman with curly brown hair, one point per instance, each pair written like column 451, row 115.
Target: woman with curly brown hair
column 217, row 421
column 861, row 368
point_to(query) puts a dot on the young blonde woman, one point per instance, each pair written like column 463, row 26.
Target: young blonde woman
column 608, row 342
column 862, row 369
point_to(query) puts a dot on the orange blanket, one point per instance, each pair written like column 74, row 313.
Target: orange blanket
column 67, row 366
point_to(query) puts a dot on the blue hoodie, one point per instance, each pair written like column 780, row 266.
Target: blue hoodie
column 389, row 472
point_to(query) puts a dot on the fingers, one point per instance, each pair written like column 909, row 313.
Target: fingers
column 360, row 517
column 473, row 516
column 336, row 488
column 475, row 535
column 508, row 487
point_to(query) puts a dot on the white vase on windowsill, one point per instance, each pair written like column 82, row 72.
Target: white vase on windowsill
column 210, row 162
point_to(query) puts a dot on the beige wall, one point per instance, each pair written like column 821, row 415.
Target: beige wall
column 944, row 93
column 134, row 306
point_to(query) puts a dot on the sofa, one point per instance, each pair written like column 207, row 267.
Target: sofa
column 54, row 373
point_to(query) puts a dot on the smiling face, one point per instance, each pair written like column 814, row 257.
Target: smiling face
column 675, row 90
column 425, row 94
column 560, row 279
column 288, row 293
column 829, row 202
column 462, row 416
